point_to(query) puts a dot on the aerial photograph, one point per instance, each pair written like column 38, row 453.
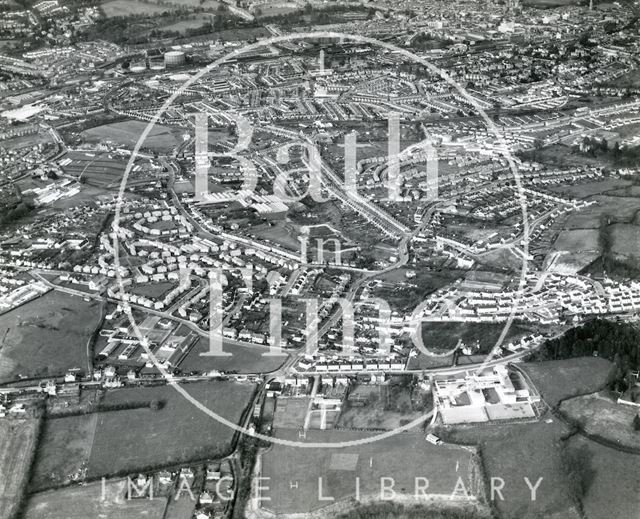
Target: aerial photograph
column 312, row 259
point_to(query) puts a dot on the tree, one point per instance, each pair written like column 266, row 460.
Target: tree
column 156, row 405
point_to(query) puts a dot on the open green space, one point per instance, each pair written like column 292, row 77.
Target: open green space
column 402, row 457
column 513, row 452
column 115, row 8
column 243, row 359
column 72, row 436
column 153, row 290
column 133, row 440
column 386, row 406
column 611, row 487
column 599, row 414
column 88, row 501
column 444, row 336
column 18, row 438
column 47, row 336
column 560, row 379
column 127, row 134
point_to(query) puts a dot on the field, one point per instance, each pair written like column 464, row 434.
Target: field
column 133, row 7
column 613, row 490
column 557, row 380
column 513, row 452
column 245, row 359
column 386, row 406
column 80, row 502
column 402, row 457
column 132, row 440
column 127, row 133
column 194, row 22
column 47, row 336
column 577, row 240
column 282, row 234
column 439, row 336
column 602, row 416
column 154, row 291
column 626, row 241
column 17, row 444
column 96, row 169
column 72, row 436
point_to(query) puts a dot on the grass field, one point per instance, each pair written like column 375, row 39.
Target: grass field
column 282, row 234
column 17, row 445
column 626, row 241
column 154, row 291
column 402, row 457
column 133, row 7
column 560, row 379
column 127, row 133
column 513, row 452
column 177, row 432
column 614, row 490
column 439, row 336
column 577, row 240
column 47, row 336
column 133, row 440
column 602, row 416
column 72, row 436
column 244, row 359
column 81, row 502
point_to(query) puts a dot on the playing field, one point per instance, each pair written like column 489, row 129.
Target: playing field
column 295, row 474
column 560, row 379
column 17, row 444
column 47, row 336
column 83, row 502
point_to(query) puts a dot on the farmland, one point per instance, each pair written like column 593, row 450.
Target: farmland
column 612, row 484
column 560, row 379
column 80, row 502
column 626, row 240
column 402, row 457
column 602, row 416
column 64, row 450
column 47, row 336
column 17, row 444
column 513, row 452
column 127, row 133
column 130, row 440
